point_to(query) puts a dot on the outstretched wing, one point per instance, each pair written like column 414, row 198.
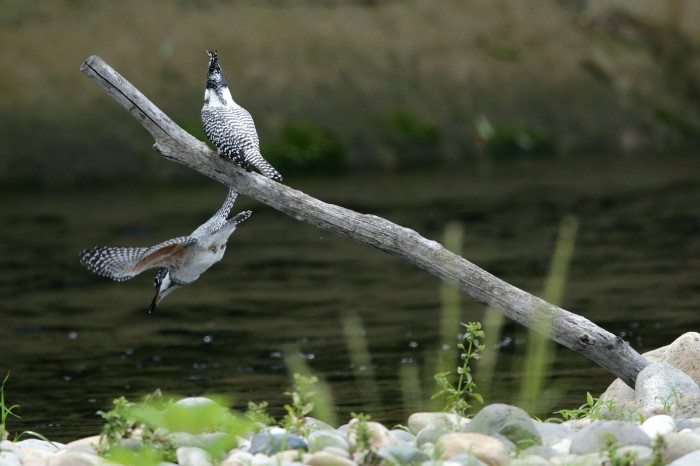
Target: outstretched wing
column 123, row 263
column 218, row 220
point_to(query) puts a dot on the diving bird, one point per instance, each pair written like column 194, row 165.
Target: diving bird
column 181, row 260
column 229, row 126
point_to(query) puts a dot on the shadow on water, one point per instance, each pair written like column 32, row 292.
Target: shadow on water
column 74, row 341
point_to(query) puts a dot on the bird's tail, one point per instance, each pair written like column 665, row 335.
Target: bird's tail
column 265, row 168
column 239, row 217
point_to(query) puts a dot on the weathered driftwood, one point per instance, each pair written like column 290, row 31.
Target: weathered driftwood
column 571, row 330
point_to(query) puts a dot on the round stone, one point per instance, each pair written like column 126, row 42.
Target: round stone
column 485, row 448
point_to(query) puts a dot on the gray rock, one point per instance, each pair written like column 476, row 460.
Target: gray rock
column 265, row 442
column 594, row 437
column 315, row 424
column 403, row 454
column 617, row 391
column 510, row 421
column 542, row 451
column 321, row 439
column 660, row 385
column 686, row 424
column 429, row 435
column 510, row 446
column 533, row 460
column 679, row 444
column 691, row 459
column 403, row 436
column 193, row 456
column 419, row 421
column 463, row 459
column 551, row 433
column 591, row 459
column 577, row 424
column 184, row 439
column 686, row 406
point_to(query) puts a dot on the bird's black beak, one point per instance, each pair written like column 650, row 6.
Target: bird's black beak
column 154, row 302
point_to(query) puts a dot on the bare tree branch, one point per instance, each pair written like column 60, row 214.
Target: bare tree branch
column 571, row 330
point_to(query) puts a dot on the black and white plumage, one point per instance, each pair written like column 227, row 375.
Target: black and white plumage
column 181, row 260
column 229, row 126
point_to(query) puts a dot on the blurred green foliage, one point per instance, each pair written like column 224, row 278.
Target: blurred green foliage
column 152, row 420
column 504, row 141
column 305, row 146
column 409, row 138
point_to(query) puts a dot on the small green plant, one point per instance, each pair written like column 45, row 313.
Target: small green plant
column 658, row 449
column 302, row 402
column 581, row 412
column 257, row 412
column 596, row 408
column 669, row 401
column 456, row 396
column 152, row 420
column 360, row 429
column 611, row 448
column 5, row 410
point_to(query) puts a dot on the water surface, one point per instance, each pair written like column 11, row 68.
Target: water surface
column 75, row 341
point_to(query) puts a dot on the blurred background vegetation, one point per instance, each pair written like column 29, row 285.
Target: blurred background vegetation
column 338, row 85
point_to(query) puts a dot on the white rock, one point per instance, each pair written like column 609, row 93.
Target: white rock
column 660, row 424
column 36, row 458
column 691, row 459
column 36, row 444
column 11, row 447
column 9, row 458
column 563, row 446
column 193, row 456
column 75, row 458
column 193, row 401
column 237, row 458
column 262, row 460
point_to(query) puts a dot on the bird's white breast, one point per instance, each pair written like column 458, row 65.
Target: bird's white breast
column 216, row 100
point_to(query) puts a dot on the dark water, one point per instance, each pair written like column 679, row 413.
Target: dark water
column 74, row 341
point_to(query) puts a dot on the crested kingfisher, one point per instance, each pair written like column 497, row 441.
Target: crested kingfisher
column 229, row 126
column 181, row 260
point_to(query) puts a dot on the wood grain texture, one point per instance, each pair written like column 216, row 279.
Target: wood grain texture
column 571, row 330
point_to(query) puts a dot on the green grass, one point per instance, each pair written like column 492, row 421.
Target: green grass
column 541, row 350
column 362, row 366
column 5, row 410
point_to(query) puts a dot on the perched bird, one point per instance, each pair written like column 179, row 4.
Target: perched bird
column 229, row 126
column 181, row 260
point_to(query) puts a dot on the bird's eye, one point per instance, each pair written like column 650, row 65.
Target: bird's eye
column 223, row 246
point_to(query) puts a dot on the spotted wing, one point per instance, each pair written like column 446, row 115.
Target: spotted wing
column 123, row 263
column 218, row 220
column 232, row 130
